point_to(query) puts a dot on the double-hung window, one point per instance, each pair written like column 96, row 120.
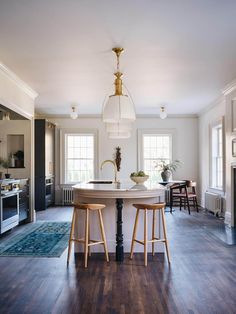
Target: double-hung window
column 154, row 147
column 79, row 157
column 217, row 156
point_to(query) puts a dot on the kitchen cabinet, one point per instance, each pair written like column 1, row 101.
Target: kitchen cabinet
column 44, row 164
column 24, row 200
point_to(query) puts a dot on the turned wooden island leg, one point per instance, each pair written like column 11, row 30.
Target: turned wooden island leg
column 119, row 234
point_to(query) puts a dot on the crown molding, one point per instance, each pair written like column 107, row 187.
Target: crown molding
column 169, row 116
column 17, row 81
column 66, row 116
column 229, row 88
column 217, row 101
column 16, row 108
column 99, row 116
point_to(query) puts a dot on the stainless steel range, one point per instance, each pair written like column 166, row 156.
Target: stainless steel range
column 9, row 204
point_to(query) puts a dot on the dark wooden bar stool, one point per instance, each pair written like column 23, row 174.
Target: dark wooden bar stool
column 146, row 208
column 185, row 194
column 86, row 240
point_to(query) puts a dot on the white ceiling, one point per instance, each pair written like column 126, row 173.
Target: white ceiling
column 180, row 53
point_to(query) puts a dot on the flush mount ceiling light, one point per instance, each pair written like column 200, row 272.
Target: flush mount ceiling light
column 163, row 113
column 74, row 113
column 119, row 107
column 6, row 115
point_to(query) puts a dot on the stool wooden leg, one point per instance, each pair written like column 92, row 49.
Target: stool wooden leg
column 103, row 234
column 86, row 239
column 153, row 231
column 145, row 237
column 89, row 249
column 165, row 236
column 71, row 236
column 134, row 234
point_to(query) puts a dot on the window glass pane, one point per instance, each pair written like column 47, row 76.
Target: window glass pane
column 217, row 160
column 156, row 147
column 70, row 141
column 79, row 158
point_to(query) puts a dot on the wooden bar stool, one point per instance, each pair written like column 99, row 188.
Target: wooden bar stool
column 146, row 208
column 86, row 240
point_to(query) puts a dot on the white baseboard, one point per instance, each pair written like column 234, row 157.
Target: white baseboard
column 228, row 220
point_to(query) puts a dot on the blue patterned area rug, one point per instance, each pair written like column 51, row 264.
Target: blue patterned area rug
column 41, row 239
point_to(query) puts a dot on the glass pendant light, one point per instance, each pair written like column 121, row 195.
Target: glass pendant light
column 119, row 107
column 119, row 135
column 118, row 127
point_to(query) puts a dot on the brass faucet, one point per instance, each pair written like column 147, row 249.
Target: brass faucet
column 114, row 165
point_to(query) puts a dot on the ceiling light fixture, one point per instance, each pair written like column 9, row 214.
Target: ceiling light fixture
column 6, row 115
column 119, row 107
column 163, row 113
column 74, row 113
column 118, row 127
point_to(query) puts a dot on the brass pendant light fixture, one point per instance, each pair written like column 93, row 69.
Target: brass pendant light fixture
column 119, row 107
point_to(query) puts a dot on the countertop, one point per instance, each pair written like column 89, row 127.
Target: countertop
column 123, row 189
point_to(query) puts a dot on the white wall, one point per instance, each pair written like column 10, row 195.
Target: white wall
column 230, row 135
column 214, row 113
column 19, row 97
column 185, row 145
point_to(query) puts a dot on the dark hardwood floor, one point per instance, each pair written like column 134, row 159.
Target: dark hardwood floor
column 201, row 278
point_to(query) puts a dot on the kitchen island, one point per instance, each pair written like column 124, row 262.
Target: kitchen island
column 124, row 193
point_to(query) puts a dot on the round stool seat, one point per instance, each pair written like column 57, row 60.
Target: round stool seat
column 89, row 206
column 155, row 206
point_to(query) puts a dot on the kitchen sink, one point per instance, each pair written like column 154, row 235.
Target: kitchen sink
column 100, row 182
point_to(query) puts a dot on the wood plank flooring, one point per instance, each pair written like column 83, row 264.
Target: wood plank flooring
column 201, row 279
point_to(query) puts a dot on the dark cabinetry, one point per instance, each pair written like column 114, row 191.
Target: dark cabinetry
column 44, row 163
column 24, row 200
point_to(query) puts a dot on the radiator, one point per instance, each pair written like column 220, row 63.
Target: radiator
column 67, row 195
column 213, row 202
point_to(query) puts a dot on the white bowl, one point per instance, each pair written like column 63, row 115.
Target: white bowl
column 139, row 180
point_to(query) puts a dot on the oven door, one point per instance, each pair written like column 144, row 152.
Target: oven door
column 9, row 211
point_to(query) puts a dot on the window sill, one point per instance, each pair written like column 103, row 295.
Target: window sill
column 216, row 190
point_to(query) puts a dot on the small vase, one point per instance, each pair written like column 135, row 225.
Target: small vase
column 7, row 175
column 166, row 175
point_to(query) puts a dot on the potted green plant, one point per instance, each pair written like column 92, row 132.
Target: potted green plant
column 139, row 177
column 6, row 164
column 167, row 169
column 19, row 159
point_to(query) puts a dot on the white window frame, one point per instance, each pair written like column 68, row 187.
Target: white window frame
column 165, row 132
column 63, row 133
column 212, row 126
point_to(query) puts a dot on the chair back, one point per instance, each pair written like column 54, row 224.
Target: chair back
column 191, row 185
column 177, row 186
